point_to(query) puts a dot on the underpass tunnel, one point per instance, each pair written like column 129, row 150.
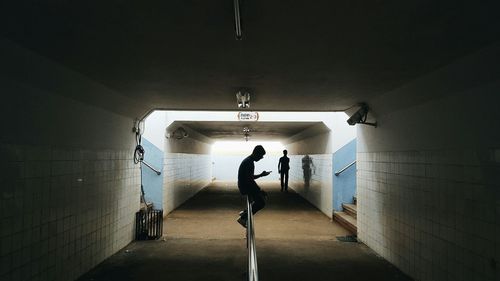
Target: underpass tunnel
column 427, row 175
column 190, row 162
column 201, row 200
column 76, row 81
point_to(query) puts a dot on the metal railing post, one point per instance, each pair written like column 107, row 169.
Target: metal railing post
column 253, row 273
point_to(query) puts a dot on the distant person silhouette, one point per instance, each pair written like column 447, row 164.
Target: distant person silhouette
column 283, row 167
column 307, row 166
column 247, row 184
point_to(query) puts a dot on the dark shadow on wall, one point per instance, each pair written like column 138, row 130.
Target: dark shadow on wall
column 308, row 169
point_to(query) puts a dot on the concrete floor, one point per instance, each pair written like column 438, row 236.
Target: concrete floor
column 203, row 241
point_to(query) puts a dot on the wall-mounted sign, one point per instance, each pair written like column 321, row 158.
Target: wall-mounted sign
column 248, row 116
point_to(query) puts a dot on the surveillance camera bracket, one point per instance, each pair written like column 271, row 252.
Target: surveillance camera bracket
column 369, row 124
column 360, row 116
column 363, row 120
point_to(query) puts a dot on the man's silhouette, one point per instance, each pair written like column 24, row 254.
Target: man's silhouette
column 247, row 184
column 283, row 167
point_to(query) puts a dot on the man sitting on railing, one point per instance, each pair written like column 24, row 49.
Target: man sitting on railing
column 247, row 184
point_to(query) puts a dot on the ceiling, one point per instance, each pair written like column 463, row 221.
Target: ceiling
column 262, row 131
column 295, row 55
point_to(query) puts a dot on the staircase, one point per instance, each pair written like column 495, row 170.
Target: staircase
column 347, row 218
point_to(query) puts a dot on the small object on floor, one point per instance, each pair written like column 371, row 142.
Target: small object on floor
column 242, row 221
column 348, row 238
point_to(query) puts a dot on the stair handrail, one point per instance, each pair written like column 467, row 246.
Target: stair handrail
column 253, row 272
column 151, row 167
column 345, row 168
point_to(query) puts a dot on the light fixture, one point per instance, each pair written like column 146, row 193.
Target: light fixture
column 237, row 19
column 246, row 133
column 243, row 98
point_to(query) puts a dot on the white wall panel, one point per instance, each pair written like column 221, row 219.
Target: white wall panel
column 184, row 176
column 315, row 186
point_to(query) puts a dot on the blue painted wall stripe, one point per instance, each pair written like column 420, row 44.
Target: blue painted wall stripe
column 344, row 185
column 152, row 183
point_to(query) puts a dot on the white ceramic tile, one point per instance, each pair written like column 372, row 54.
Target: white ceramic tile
column 437, row 217
column 318, row 190
column 184, row 175
column 52, row 211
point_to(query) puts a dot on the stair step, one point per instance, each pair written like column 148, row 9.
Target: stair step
column 346, row 221
column 350, row 209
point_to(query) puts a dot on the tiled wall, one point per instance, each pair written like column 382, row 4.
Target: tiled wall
column 318, row 189
column 184, row 175
column 63, row 211
column 434, row 214
column 429, row 173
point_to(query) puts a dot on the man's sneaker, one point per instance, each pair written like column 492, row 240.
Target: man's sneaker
column 242, row 221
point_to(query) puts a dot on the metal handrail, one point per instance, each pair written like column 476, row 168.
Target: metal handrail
column 151, row 167
column 253, row 272
column 345, row 168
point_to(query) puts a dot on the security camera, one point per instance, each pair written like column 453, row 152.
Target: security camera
column 360, row 116
column 178, row 133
